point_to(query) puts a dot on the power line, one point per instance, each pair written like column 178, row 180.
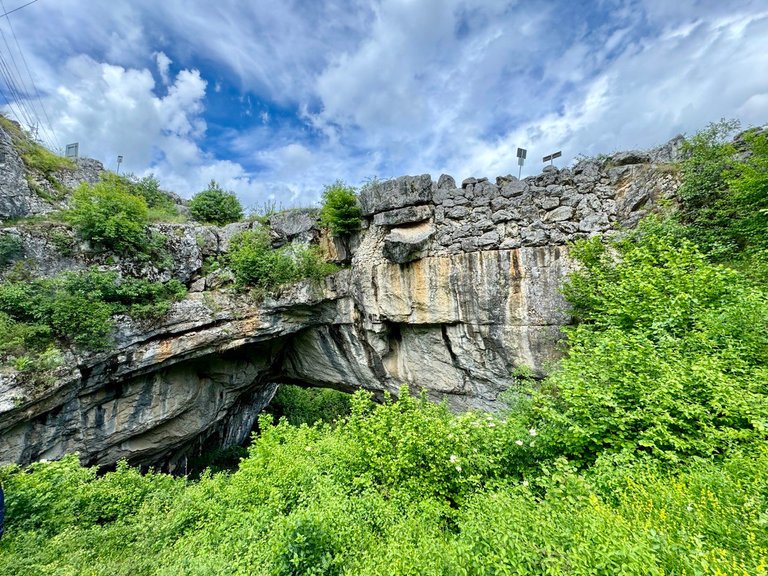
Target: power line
column 19, row 8
column 21, row 113
column 16, row 88
column 51, row 133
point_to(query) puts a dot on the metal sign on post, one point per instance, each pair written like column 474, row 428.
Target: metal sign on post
column 72, row 150
column 551, row 157
column 521, row 155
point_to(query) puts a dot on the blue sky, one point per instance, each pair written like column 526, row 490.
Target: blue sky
column 275, row 100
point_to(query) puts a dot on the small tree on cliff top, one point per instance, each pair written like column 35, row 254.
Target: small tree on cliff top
column 340, row 211
column 215, row 206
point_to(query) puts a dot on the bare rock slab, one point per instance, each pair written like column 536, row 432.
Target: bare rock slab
column 397, row 193
column 407, row 244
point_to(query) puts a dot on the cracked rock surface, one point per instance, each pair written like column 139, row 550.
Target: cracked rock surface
column 449, row 289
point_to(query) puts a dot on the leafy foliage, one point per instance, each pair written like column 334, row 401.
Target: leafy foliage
column 309, row 405
column 161, row 205
column 215, row 206
column 400, row 488
column 256, row 264
column 11, row 248
column 340, row 210
column 107, row 214
column 724, row 195
column 670, row 356
column 76, row 308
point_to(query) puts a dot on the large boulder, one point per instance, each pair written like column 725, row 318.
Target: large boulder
column 298, row 223
column 407, row 215
column 397, row 193
column 407, row 244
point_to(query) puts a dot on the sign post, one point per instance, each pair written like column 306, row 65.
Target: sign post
column 73, row 150
column 551, row 157
column 521, row 154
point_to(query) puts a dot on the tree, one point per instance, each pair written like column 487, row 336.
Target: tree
column 107, row 214
column 340, row 211
column 215, row 206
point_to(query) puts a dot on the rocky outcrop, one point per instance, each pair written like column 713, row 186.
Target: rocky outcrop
column 407, row 243
column 27, row 192
column 16, row 197
column 449, row 288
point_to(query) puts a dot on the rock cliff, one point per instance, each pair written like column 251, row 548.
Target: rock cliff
column 449, row 288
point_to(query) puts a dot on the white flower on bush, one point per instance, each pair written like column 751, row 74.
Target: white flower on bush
column 519, row 442
column 532, row 432
column 454, row 458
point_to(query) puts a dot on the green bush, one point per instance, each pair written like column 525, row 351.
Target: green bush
column 11, row 248
column 107, row 214
column 309, row 405
column 311, row 263
column 215, row 206
column 340, row 210
column 255, row 263
column 76, row 307
column 399, row 489
column 161, row 205
column 669, row 358
column 724, row 195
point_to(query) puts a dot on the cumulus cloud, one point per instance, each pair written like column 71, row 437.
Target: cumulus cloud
column 517, row 78
column 274, row 101
column 163, row 66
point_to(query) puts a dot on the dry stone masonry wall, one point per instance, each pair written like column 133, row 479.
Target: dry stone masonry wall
column 427, row 218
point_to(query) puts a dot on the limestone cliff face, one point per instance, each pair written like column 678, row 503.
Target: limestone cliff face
column 449, row 288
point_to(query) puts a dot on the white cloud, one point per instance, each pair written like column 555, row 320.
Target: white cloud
column 384, row 88
column 163, row 66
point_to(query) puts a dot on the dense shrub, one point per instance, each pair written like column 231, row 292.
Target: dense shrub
column 256, row 264
column 215, row 206
column 670, row 357
column 11, row 248
column 76, row 307
column 724, row 194
column 340, row 210
column 309, row 405
column 399, row 489
column 161, row 204
column 107, row 214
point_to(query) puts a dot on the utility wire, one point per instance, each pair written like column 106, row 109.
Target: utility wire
column 21, row 112
column 17, row 87
column 51, row 133
column 19, row 8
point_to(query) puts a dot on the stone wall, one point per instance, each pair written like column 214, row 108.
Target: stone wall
column 426, row 218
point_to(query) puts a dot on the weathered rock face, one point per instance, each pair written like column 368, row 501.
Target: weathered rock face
column 24, row 192
column 16, row 198
column 449, row 289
